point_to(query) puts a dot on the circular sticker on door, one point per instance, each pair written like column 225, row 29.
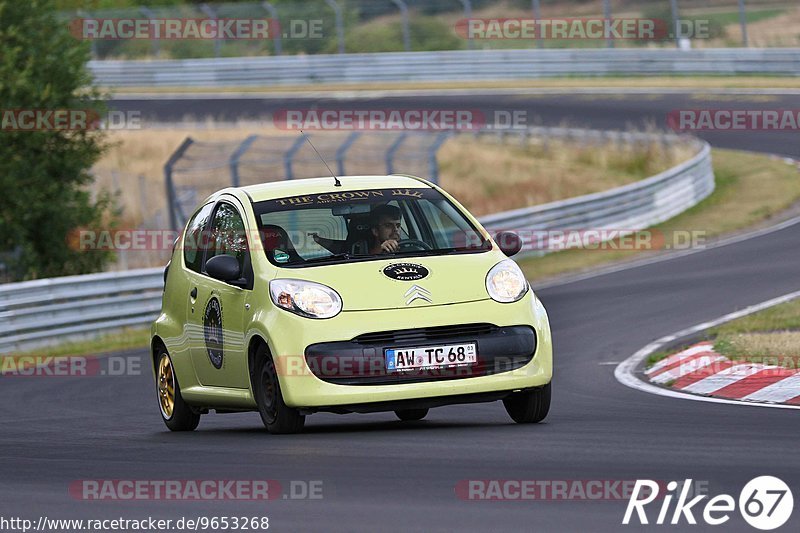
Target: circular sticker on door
column 212, row 331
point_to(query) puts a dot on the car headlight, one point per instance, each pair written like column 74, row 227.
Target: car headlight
column 505, row 282
column 305, row 298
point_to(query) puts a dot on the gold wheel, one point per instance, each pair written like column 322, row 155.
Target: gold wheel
column 166, row 387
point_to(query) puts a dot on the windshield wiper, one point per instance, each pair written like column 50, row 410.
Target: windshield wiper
column 345, row 256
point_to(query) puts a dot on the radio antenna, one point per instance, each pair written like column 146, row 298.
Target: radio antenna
column 335, row 179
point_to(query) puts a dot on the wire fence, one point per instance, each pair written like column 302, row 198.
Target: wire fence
column 205, row 167
column 354, row 26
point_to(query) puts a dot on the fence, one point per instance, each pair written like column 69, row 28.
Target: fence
column 49, row 310
column 205, row 167
column 339, row 26
column 454, row 66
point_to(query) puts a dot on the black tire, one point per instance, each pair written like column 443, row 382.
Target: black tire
column 276, row 415
column 181, row 417
column 411, row 414
column 529, row 407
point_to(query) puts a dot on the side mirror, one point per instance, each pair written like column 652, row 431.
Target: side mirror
column 224, row 268
column 509, row 242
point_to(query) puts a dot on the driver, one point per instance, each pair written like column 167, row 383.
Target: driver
column 385, row 221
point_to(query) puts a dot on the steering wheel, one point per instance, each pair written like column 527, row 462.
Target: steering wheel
column 413, row 244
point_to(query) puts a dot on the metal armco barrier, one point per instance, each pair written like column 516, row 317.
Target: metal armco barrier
column 459, row 65
column 47, row 311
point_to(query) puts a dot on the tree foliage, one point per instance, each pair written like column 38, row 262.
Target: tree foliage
column 44, row 175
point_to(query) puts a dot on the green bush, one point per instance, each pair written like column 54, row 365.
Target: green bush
column 44, row 174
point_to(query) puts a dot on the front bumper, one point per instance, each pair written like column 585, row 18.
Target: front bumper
column 511, row 367
column 361, row 361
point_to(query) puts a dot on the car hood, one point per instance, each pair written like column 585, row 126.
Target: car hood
column 367, row 285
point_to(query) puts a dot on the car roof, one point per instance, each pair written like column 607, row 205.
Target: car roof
column 281, row 189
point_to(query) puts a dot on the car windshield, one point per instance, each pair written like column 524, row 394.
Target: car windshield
column 362, row 225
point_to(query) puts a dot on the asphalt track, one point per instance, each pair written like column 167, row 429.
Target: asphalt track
column 382, row 475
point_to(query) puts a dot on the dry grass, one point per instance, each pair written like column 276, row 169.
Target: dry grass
column 485, row 175
column 489, row 176
column 134, row 164
column 771, row 336
column 780, row 31
column 640, row 82
column 765, row 344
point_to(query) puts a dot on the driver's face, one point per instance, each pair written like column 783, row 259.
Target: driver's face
column 388, row 228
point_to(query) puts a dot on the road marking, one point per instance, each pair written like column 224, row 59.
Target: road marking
column 625, row 372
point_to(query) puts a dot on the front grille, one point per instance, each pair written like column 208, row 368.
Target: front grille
column 425, row 334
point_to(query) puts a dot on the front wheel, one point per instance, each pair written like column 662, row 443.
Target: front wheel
column 176, row 413
column 529, row 407
column 276, row 415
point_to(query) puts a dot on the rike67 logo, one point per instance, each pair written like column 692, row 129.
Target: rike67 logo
column 765, row 503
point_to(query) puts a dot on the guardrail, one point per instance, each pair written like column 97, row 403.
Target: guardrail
column 40, row 312
column 459, row 65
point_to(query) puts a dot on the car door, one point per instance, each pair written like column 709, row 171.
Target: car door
column 216, row 309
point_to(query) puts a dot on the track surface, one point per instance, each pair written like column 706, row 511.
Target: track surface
column 379, row 474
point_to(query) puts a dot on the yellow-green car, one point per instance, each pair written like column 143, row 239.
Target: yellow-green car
column 351, row 295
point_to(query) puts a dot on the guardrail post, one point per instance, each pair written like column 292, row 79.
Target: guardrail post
column 743, row 22
column 676, row 22
column 237, row 154
column 537, row 14
column 339, row 23
column 274, row 27
column 341, row 152
column 468, row 15
column 392, row 150
column 401, row 5
column 155, row 42
column 433, row 165
column 210, row 13
column 92, row 44
column 172, row 204
column 607, row 16
column 289, row 155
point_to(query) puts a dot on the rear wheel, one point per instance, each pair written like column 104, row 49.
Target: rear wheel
column 529, row 407
column 276, row 415
column 411, row 414
column 176, row 413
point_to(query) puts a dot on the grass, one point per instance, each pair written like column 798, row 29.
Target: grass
column 622, row 82
column 750, row 188
column 771, row 336
column 126, row 339
column 489, row 176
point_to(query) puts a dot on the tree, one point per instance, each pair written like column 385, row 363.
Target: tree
column 44, row 174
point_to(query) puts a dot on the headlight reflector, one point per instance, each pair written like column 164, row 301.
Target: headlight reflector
column 505, row 282
column 305, row 298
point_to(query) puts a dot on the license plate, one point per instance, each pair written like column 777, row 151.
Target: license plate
column 399, row 359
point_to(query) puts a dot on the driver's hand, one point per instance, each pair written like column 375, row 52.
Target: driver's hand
column 389, row 246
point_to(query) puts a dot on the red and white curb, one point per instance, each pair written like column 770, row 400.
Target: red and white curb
column 722, row 381
column 701, row 370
